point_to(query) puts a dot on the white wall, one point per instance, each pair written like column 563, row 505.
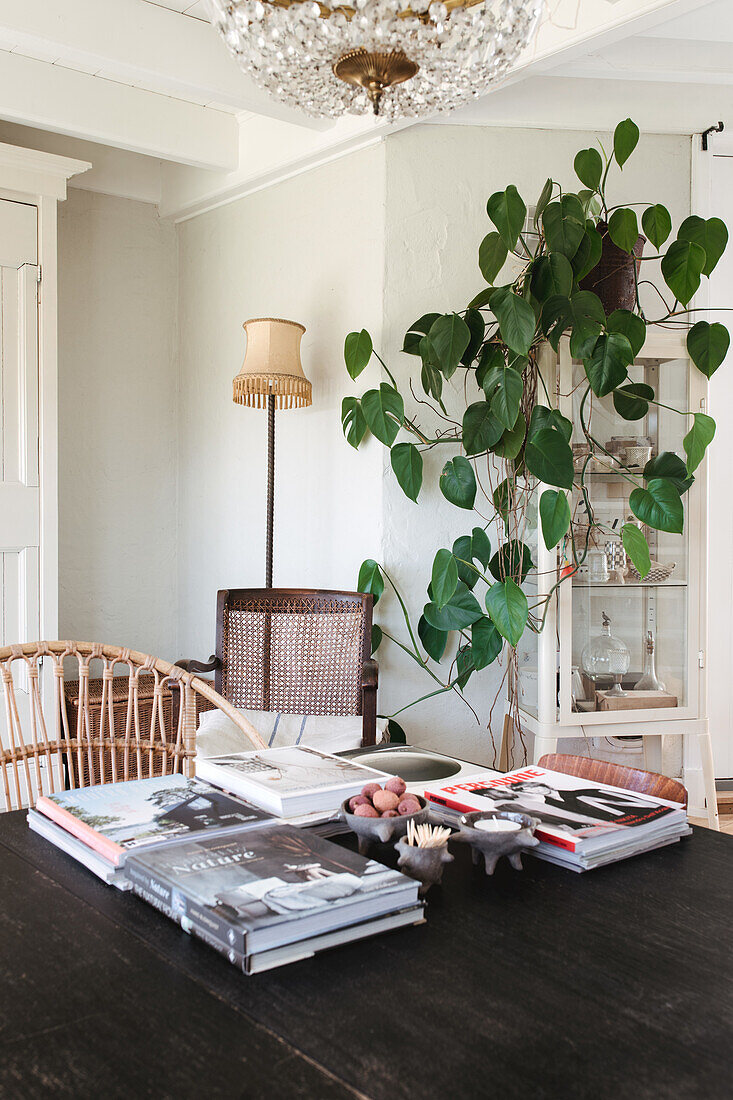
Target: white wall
column 310, row 250
column 117, row 424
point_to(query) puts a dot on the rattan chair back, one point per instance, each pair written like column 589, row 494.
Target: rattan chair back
column 52, row 739
column 616, row 775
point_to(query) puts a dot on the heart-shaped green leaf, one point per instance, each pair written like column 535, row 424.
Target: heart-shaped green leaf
column 449, row 337
column 458, row 482
column 465, row 666
column 377, row 637
column 632, row 401
column 552, row 275
column 659, row 506
column 625, row 140
column 548, row 456
column 481, row 429
column 513, row 559
column 507, row 396
column 407, row 465
column 508, row 610
column 629, row 325
column 589, row 168
column 434, row 641
column 461, row 610
column 512, row 439
column 606, row 366
column 554, row 516
column 507, row 211
column 562, row 227
column 492, row 256
column 470, row 548
column 482, row 298
column 352, row 421
column 357, row 352
column 669, row 465
column 637, row 548
column 502, row 498
column 657, row 224
column 682, row 268
column 444, row 579
column 370, row 579
column 623, row 229
column 711, row 235
column 486, row 642
column 517, row 322
column 477, row 328
column 708, row 346
column 589, row 252
column 697, row 440
column 384, row 412
column 542, row 201
column 430, row 377
column 581, row 315
column 542, row 417
column 416, row 331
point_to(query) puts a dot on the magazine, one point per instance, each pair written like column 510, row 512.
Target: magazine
column 115, row 818
column 291, row 780
column 261, row 888
column 581, row 817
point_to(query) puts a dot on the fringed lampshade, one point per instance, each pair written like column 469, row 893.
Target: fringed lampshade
column 272, row 366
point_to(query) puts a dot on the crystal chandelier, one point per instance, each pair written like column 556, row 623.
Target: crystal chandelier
column 399, row 58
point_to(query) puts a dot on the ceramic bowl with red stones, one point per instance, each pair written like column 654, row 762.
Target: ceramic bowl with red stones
column 382, row 813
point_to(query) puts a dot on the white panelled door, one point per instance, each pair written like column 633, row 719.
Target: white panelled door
column 20, row 542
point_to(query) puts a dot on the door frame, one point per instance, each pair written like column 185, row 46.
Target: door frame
column 40, row 180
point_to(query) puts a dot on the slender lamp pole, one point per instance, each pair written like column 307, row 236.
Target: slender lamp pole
column 272, row 377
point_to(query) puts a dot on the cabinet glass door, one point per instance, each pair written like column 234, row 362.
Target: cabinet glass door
column 629, row 648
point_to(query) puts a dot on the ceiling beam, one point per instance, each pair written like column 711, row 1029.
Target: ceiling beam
column 138, row 44
column 50, row 97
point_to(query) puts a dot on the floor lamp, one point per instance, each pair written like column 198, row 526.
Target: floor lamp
column 272, row 377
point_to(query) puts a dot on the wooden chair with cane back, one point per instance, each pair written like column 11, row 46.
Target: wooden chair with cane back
column 50, row 743
column 296, row 651
column 616, row 775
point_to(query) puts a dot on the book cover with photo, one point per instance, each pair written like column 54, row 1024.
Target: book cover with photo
column 289, row 780
column 573, row 813
column 115, row 818
column 264, row 887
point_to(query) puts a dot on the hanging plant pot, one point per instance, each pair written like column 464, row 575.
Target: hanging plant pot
column 612, row 279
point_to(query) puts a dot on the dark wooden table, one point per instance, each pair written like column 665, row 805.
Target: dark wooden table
column 544, row 984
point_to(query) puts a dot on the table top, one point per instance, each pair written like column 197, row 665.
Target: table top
column 539, row 984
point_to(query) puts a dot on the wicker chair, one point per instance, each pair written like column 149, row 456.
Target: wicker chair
column 297, row 651
column 115, row 737
column 616, row 775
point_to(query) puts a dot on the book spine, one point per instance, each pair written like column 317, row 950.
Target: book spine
column 214, row 925
column 234, row 957
column 77, row 828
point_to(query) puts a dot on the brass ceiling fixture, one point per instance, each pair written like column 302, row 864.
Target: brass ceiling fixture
column 399, row 58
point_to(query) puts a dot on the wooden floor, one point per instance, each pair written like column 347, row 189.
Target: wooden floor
column 726, row 822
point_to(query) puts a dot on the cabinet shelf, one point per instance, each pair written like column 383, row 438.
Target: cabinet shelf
column 631, row 584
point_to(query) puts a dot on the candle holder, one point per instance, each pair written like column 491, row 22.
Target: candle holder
column 493, row 844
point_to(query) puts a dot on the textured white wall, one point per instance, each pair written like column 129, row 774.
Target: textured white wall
column 310, row 250
column 117, row 423
column 438, row 181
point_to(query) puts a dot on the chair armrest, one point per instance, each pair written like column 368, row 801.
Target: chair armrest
column 369, row 679
column 189, row 665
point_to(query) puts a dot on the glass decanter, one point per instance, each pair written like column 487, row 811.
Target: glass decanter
column 649, row 681
column 606, row 656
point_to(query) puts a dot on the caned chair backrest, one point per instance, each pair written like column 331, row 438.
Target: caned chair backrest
column 616, row 775
column 136, row 720
column 293, row 650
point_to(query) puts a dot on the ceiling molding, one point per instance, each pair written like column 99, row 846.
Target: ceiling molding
column 38, row 173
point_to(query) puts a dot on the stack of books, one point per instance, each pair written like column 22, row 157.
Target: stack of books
column 253, row 886
column 581, row 824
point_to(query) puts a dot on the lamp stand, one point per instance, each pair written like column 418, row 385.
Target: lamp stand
column 270, row 486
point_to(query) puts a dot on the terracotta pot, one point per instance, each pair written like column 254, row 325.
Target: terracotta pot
column 612, row 279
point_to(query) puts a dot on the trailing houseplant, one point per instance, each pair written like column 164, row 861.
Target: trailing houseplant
column 509, row 437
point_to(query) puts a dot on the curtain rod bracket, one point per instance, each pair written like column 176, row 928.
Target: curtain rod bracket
column 717, row 129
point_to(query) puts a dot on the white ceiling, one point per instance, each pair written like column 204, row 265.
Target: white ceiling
column 152, row 78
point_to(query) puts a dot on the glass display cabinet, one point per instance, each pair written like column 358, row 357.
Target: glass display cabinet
column 620, row 656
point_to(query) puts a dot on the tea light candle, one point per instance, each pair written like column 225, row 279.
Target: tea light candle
column 497, row 825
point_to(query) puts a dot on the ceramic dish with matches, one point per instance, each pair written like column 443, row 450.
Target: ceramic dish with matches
column 381, row 813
